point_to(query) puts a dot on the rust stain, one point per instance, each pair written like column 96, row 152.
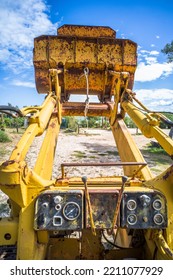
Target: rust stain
column 89, row 31
column 76, row 47
column 8, row 162
column 52, row 125
column 10, row 186
column 168, row 173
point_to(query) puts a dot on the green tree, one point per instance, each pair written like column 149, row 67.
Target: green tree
column 128, row 121
column 4, row 137
column 168, row 50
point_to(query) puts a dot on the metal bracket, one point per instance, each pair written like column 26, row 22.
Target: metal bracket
column 55, row 87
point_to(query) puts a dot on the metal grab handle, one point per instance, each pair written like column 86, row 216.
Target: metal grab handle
column 142, row 164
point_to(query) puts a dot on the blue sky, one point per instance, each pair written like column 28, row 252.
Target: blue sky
column 148, row 23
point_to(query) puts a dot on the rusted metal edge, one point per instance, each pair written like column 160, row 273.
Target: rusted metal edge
column 142, row 164
column 86, row 30
column 77, row 109
column 103, row 163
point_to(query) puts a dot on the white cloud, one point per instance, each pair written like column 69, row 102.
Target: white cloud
column 158, row 94
column 152, row 71
column 150, row 60
column 147, row 57
column 4, row 55
column 145, row 52
column 6, row 78
column 162, row 103
column 23, row 84
column 20, row 22
column 156, row 99
column 157, row 37
column 149, row 68
column 154, row 53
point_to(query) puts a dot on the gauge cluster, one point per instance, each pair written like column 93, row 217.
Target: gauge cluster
column 143, row 210
column 59, row 210
column 68, row 210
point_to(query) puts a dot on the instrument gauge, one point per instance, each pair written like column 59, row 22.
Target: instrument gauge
column 71, row 211
column 157, row 204
column 131, row 204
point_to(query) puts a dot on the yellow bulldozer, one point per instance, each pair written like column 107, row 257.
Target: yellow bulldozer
column 112, row 217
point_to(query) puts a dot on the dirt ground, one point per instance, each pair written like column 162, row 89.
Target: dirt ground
column 92, row 145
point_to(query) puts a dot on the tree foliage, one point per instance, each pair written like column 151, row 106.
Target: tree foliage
column 12, row 122
column 168, row 50
column 129, row 123
column 4, row 137
column 169, row 116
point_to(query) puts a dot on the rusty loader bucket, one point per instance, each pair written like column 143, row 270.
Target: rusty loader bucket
column 76, row 48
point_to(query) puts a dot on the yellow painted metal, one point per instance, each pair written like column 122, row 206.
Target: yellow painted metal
column 43, row 236
column 149, row 127
column 8, row 231
column 42, row 118
column 19, row 182
column 164, row 183
column 22, row 147
column 45, row 159
column 164, row 252
column 111, row 63
column 119, row 85
column 23, row 185
column 38, row 123
column 77, row 47
column 128, row 151
column 16, row 177
column 57, row 249
column 91, row 245
column 11, row 182
column 27, row 246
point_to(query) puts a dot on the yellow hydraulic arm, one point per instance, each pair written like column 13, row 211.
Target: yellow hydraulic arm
column 22, row 184
column 148, row 123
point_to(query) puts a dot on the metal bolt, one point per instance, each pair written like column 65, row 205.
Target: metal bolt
column 145, row 219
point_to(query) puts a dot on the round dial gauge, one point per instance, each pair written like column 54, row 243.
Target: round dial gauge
column 157, row 204
column 132, row 219
column 131, row 204
column 71, row 211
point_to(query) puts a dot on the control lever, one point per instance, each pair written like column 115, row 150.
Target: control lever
column 117, row 209
column 84, row 180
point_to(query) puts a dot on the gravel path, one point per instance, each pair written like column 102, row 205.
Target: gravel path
column 89, row 146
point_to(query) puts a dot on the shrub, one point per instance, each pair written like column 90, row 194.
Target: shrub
column 4, row 137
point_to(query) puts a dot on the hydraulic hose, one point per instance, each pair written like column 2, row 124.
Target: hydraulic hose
column 5, row 109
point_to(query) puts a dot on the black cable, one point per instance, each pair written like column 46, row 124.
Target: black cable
column 8, row 113
column 155, row 253
column 4, row 108
column 149, row 111
column 113, row 244
column 167, row 121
